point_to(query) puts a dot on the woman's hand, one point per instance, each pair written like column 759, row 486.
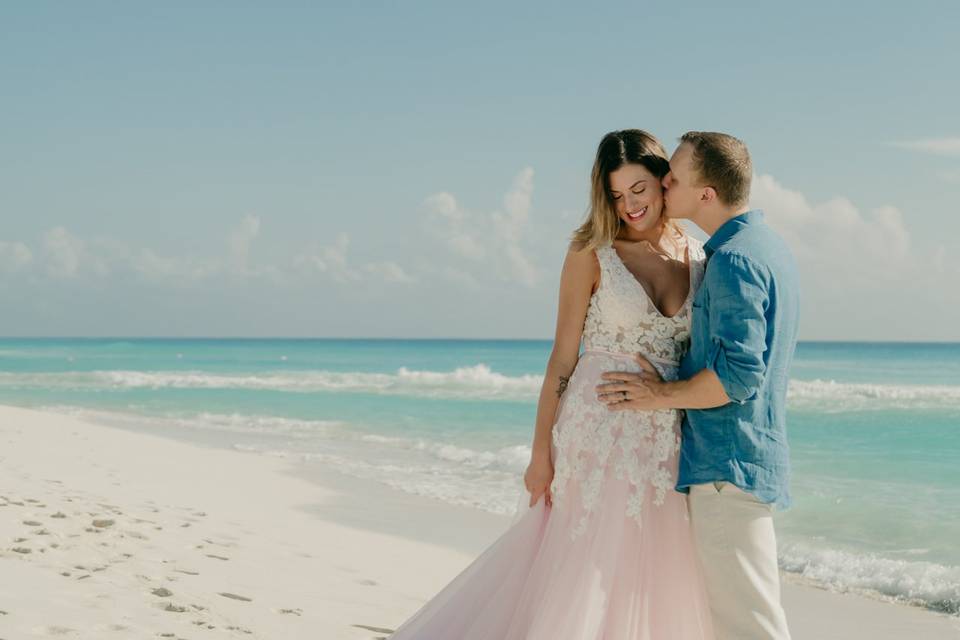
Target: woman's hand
column 538, row 477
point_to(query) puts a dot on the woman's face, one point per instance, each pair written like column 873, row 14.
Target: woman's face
column 637, row 196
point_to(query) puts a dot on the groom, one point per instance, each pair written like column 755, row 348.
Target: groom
column 734, row 457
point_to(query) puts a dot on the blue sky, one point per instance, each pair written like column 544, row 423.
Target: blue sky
column 245, row 169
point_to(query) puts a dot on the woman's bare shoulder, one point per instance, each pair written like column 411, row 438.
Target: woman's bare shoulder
column 582, row 265
column 579, row 253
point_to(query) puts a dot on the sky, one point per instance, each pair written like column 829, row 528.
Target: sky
column 415, row 169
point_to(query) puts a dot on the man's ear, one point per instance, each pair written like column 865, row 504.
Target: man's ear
column 708, row 195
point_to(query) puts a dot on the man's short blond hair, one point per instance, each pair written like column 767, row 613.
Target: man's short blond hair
column 722, row 162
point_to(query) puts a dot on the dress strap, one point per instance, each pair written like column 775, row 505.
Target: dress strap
column 606, row 261
column 603, row 254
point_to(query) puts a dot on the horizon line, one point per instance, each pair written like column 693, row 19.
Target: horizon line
column 402, row 338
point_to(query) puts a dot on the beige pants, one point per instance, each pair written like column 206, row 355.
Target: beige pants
column 738, row 552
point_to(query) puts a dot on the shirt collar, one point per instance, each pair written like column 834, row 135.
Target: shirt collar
column 731, row 228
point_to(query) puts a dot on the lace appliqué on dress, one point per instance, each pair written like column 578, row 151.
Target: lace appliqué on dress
column 592, row 443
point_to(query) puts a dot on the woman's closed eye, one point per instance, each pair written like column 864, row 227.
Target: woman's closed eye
column 636, row 193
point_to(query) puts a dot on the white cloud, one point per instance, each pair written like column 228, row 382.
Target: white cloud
column 240, row 241
column 69, row 256
column 950, row 175
column 511, row 225
column 446, row 205
column 835, row 241
column 863, row 276
column 331, row 261
column 14, row 257
column 181, row 270
column 495, row 242
column 459, row 278
column 938, row 146
column 458, row 226
column 389, row 272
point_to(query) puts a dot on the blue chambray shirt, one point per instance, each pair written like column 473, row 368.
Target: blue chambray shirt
column 744, row 328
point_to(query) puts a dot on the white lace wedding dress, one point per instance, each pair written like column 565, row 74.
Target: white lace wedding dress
column 613, row 557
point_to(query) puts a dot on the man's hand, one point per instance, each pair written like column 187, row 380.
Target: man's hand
column 643, row 391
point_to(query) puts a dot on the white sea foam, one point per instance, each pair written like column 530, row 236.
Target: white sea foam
column 488, row 490
column 473, row 382
column 225, row 422
column 924, row 583
column 476, row 381
column 512, row 458
column 840, row 396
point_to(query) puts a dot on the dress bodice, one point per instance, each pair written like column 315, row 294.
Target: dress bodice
column 622, row 318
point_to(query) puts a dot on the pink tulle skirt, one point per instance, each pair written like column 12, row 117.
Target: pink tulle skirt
column 612, row 581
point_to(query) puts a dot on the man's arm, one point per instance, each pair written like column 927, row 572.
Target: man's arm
column 735, row 364
column 738, row 326
column 646, row 391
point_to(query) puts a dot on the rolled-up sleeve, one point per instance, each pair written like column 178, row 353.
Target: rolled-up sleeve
column 738, row 326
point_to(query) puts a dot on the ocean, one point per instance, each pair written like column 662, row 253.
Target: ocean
column 874, row 430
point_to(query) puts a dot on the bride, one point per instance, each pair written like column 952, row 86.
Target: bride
column 604, row 549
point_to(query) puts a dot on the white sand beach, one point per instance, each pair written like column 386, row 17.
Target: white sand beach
column 108, row 533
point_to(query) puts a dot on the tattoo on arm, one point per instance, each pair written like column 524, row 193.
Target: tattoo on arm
column 563, row 385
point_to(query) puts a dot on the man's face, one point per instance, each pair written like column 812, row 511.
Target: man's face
column 681, row 195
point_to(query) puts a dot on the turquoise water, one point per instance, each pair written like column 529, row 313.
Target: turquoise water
column 874, row 429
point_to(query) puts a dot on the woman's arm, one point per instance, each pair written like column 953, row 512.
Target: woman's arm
column 578, row 280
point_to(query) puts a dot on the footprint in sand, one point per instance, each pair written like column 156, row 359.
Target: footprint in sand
column 344, row 569
column 369, row 628
column 54, row 630
column 241, row 629
column 234, row 596
column 203, row 623
column 220, row 544
column 135, row 534
column 111, row 507
column 292, row 612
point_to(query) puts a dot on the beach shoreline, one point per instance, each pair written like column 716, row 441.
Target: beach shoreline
column 159, row 536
